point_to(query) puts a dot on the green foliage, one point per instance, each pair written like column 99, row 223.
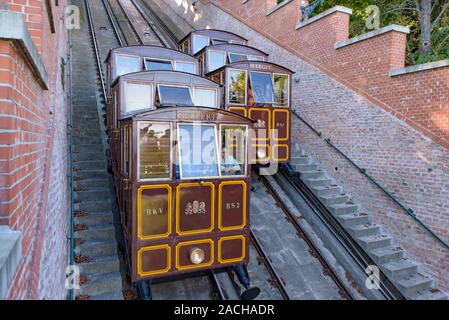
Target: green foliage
column 400, row 12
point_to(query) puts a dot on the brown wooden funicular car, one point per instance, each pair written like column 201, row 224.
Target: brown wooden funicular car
column 182, row 175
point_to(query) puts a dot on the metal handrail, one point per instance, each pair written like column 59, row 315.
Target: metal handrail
column 409, row 211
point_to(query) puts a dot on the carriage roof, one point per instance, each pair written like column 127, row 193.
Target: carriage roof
column 152, row 52
column 263, row 66
column 215, row 33
column 235, row 48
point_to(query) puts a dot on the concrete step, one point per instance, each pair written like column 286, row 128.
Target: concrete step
column 89, row 148
column 102, row 283
column 94, row 206
column 335, row 199
column 98, row 232
column 91, row 164
column 348, row 220
column 375, row 241
column 304, row 167
column 87, row 140
column 92, row 184
column 325, row 191
column 339, row 209
column 399, row 269
column 363, row 230
column 100, row 264
column 92, row 174
column 89, row 156
column 384, row 255
column 108, row 296
column 318, row 182
column 95, row 218
column 413, row 284
column 100, row 194
column 431, row 294
column 100, row 247
column 315, row 174
column 299, row 159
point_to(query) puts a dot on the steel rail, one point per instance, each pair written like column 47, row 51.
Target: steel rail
column 270, row 268
column 133, row 28
column 113, row 23
column 216, row 285
column 344, row 291
column 388, row 290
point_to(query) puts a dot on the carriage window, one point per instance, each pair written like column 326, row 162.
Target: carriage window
column 154, row 151
column 188, row 67
column 262, row 87
column 281, row 89
column 178, row 96
column 199, row 42
column 219, row 41
column 233, row 150
column 197, row 151
column 138, row 97
column 217, row 59
column 256, row 58
column 235, row 57
column 237, row 87
column 127, row 64
column 205, row 97
column 152, row 65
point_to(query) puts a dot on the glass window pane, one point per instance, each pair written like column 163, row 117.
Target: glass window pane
column 197, row 151
column 137, row 96
column 154, row 150
column 219, row 41
column 205, row 97
column 127, row 64
column 237, row 86
column 234, row 57
column 152, row 65
column 233, row 150
column 177, row 96
column 185, row 67
column 281, row 87
column 199, row 43
column 217, row 60
column 262, row 87
column 256, row 58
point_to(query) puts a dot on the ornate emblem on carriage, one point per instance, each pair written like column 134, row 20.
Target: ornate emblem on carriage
column 259, row 124
column 195, row 207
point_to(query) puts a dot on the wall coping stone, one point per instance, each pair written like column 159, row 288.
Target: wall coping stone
column 375, row 33
column 277, row 7
column 13, row 27
column 324, row 14
column 420, row 67
column 10, row 255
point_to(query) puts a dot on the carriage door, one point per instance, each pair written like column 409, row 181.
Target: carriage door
column 126, row 182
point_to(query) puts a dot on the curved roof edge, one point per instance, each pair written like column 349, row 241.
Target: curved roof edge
column 235, row 34
column 232, row 45
column 148, row 46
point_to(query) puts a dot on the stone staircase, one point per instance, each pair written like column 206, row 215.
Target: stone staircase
column 391, row 259
column 96, row 251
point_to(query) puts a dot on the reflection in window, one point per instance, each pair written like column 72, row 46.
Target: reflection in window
column 127, row 64
column 137, row 97
column 219, row 41
column 262, row 87
column 199, row 42
column 237, row 87
column 185, row 67
column 233, row 150
column 176, row 96
column 217, row 59
column 256, row 58
column 154, row 150
column 205, row 97
column 235, row 57
column 281, row 89
column 197, row 151
column 152, row 65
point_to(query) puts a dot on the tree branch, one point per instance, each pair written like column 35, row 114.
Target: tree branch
column 399, row 9
column 438, row 18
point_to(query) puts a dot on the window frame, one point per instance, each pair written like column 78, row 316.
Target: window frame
column 287, row 105
column 173, row 86
column 228, row 86
column 238, row 54
column 124, row 55
column 160, row 60
column 253, row 55
column 193, row 42
column 272, row 84
column 186, row 62
column 209, row 59
column 178, row 146
column 151, row 107
column 246, row 150
column 219, row 39
column 170, row 167
column 206, row 88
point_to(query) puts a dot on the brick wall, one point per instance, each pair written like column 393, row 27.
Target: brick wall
column 406, row 161
column 33, row 153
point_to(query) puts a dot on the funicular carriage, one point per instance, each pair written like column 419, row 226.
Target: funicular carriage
column 181, row 213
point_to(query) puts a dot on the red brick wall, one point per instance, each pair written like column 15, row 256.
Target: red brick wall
column 33, row 155
column 420, row 99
